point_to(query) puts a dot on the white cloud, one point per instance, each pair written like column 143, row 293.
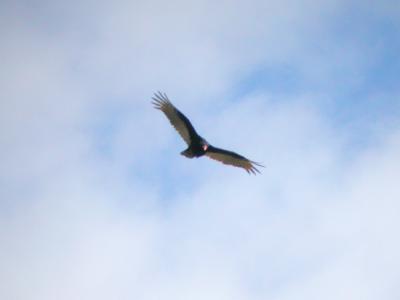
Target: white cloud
column 96, row 202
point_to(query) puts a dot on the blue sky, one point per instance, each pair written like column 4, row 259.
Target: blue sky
column 97, row 203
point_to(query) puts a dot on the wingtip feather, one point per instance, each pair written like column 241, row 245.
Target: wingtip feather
column 253, row 169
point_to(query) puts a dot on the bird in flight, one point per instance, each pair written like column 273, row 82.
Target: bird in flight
column 198, row 146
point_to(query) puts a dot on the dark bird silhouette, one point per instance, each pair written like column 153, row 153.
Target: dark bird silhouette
column 198, row 146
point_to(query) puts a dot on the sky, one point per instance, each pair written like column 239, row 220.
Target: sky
column 97, row 203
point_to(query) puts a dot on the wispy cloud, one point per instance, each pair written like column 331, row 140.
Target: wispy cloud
column 96, row 202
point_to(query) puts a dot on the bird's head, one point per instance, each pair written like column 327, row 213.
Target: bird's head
column 204, row 145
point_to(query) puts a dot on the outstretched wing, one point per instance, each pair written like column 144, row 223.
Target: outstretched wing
column 177, row 119
column 232, row 158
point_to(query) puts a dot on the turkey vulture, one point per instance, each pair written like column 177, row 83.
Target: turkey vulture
column 198, row 146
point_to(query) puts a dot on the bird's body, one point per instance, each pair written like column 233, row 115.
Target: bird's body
column 195, row 149
column 198, row 146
